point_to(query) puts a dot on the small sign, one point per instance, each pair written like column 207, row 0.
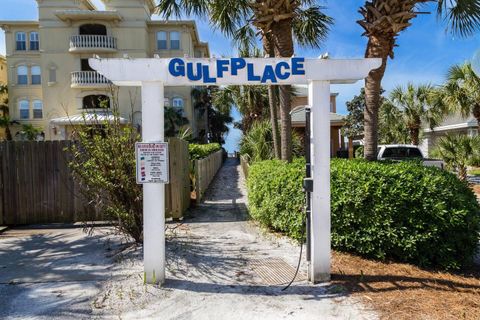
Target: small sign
column 152, row 162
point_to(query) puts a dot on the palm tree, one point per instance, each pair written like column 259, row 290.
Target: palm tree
column 174, row 120
column 458, row 151
column 251, row 101
column 383, row 20
column 5, row 121
column 462, row 90
column 417, row 106
column 279, row 20
column 392, row 127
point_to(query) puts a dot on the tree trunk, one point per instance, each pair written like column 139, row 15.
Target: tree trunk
column 8, row 133
column 476, row 113
column 414, row 135
column 377, row 47
column 283, row 45
column 272, row 98
column 462, row 173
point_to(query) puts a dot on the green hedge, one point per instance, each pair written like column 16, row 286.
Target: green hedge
column 200, row 151
column 400, row 211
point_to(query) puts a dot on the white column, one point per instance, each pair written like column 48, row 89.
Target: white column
column 319, row 100
column 153, row 193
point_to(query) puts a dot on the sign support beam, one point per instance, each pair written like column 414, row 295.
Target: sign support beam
column 319, row 101
column 153, row 193
column 154, row 74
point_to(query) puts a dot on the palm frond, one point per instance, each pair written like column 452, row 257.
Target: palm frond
column 462, row 16
column 311, row 26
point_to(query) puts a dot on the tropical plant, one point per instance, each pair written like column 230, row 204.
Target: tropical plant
column 5, row 121
column 103, row 164
column 392, row 128
column 458, row 151
column 280, row 21
column 384, row 210
column 462, row 91
column 174, row 120
column 218, row 125
column 29, row 132
column 251, row 101
column 417, row 106
column 257, row 143
column 202, row 102
column 382, row 21
column 200, row 151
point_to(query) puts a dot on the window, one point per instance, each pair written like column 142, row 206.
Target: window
column 36, row 75
column 21, row 40
column 93, row 29
column 177, row 103
column 34, row 41
column 22, row 77
column 85, row 66
column 174, row 40
column 402, row 153
column 161, row 40
column 93, row 101
column 24, row 109
column 37, row 109
column 52, row 75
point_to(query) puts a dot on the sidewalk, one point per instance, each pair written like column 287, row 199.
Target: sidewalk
column 222, row 266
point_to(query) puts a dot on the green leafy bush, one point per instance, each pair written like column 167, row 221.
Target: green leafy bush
column 103, row 164
column 400, row 211
column 275, row 196
column 200, row 151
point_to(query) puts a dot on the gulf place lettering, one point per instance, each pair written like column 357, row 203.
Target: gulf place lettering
column 196, row 71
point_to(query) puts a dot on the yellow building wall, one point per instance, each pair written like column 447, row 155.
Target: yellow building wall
column 3, row 70
column 136, row 37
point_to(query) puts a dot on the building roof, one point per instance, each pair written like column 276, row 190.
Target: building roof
column 298, row 117
column 453, row 122
column 87, row 118
column 78, row 14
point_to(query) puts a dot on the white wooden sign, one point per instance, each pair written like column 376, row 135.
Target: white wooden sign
column 152, row 162
column 154, row 74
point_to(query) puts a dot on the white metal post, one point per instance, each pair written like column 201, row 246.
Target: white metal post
column 153, row 193
column 319, row 100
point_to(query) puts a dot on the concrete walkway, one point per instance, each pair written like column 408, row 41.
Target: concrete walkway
column 222, row 266
column 54, row 273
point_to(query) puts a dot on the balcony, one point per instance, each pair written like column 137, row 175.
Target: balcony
column 88, row 80
column 92, row 43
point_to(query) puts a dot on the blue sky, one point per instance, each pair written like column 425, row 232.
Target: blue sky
column 424, row 53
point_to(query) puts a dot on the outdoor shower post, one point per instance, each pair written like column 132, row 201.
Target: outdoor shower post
column 153, row 193
column 319, row 101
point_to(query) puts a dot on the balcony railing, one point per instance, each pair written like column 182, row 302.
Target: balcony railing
column 88, row 79
column 87, row 42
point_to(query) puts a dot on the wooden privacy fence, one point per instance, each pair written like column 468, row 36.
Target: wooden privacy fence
column 205, row 170
column 37, row 185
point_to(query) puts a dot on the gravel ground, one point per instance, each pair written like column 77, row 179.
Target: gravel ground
column 218, row 268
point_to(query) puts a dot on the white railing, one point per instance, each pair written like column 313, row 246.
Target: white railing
column 92, row 41
column 83, row 78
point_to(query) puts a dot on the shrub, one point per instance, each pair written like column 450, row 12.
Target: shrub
column 275, row 196
column 257, row 143
column 200, row 151
column 400, row 211
column 103, row 163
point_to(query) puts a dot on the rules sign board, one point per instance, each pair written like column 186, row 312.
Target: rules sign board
column 152, row 162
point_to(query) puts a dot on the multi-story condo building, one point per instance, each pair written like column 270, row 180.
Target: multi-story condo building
column 3, row 69
column 51, row 84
